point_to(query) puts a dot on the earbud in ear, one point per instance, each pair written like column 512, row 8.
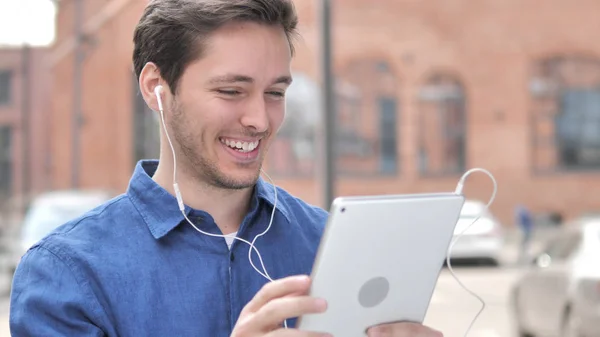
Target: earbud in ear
column 157, row 92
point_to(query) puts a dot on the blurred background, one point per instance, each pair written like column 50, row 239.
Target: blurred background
column 389, row 96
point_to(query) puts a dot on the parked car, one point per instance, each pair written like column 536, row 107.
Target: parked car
column 483, row 242
column 47, row 212
column 559, row 294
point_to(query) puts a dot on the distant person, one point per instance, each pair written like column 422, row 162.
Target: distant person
column 524, row 220
column 556, row 219
column 136, row 266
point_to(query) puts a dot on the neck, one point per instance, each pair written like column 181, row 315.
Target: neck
column 227, row 207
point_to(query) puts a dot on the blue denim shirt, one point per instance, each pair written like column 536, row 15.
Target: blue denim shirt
column 134, row 267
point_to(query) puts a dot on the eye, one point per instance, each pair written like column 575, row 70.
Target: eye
column 229, row 92
column 277, row 94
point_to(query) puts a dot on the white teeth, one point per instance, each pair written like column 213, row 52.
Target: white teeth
column 240, row 146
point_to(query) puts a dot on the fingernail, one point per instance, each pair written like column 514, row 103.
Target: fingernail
column 302, row 278
column 379, row 331
column 436, row 333
column 321, row 304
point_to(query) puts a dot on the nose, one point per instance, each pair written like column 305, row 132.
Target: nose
column 255, row 115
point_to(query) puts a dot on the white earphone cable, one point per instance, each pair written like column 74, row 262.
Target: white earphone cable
column 266, row 275
column 181, row 204
column 459, row 190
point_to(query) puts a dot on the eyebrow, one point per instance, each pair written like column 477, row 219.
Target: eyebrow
column 233, row 78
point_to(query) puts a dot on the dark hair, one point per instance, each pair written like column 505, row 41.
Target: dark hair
column 172, row 33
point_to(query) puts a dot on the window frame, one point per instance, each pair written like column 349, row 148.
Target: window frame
column 9, row 75
column 432, row 95
column 549, row 84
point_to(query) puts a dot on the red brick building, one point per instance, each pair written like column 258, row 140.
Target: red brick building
column 24, row 116
column 424, row 92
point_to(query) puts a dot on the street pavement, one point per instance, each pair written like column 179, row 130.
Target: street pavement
column 452, row 308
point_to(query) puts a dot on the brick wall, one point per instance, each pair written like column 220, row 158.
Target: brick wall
column 489, row 47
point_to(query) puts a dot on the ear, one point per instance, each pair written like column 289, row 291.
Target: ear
column 149, row 79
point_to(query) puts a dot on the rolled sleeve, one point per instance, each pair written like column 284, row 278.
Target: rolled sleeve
column 48, row 299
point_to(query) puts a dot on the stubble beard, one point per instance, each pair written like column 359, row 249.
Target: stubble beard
column 202, row 168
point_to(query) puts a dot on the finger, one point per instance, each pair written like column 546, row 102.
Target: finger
column 273, row 313
column 403, row 329
column 296, row 333
column 295, row 294
column 278, row 288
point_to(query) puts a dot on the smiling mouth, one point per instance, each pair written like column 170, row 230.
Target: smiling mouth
column 243, row 147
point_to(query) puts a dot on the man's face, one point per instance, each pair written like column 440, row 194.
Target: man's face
column 230, row 103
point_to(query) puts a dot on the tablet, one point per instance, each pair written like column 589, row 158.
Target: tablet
column 379, row 260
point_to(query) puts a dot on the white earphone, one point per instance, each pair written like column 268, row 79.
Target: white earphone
column 158, row 91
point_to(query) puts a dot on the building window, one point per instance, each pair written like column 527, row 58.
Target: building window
column 366, row 121
column 442, row 126
column 146, row 128
column 387, row 137
column 6, row 168
column 6, row 77
column 566, row 114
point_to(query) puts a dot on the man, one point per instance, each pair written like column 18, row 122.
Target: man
column 524, row 220
column 136, row 266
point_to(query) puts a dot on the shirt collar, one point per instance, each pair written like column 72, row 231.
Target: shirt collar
column 159, row 208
